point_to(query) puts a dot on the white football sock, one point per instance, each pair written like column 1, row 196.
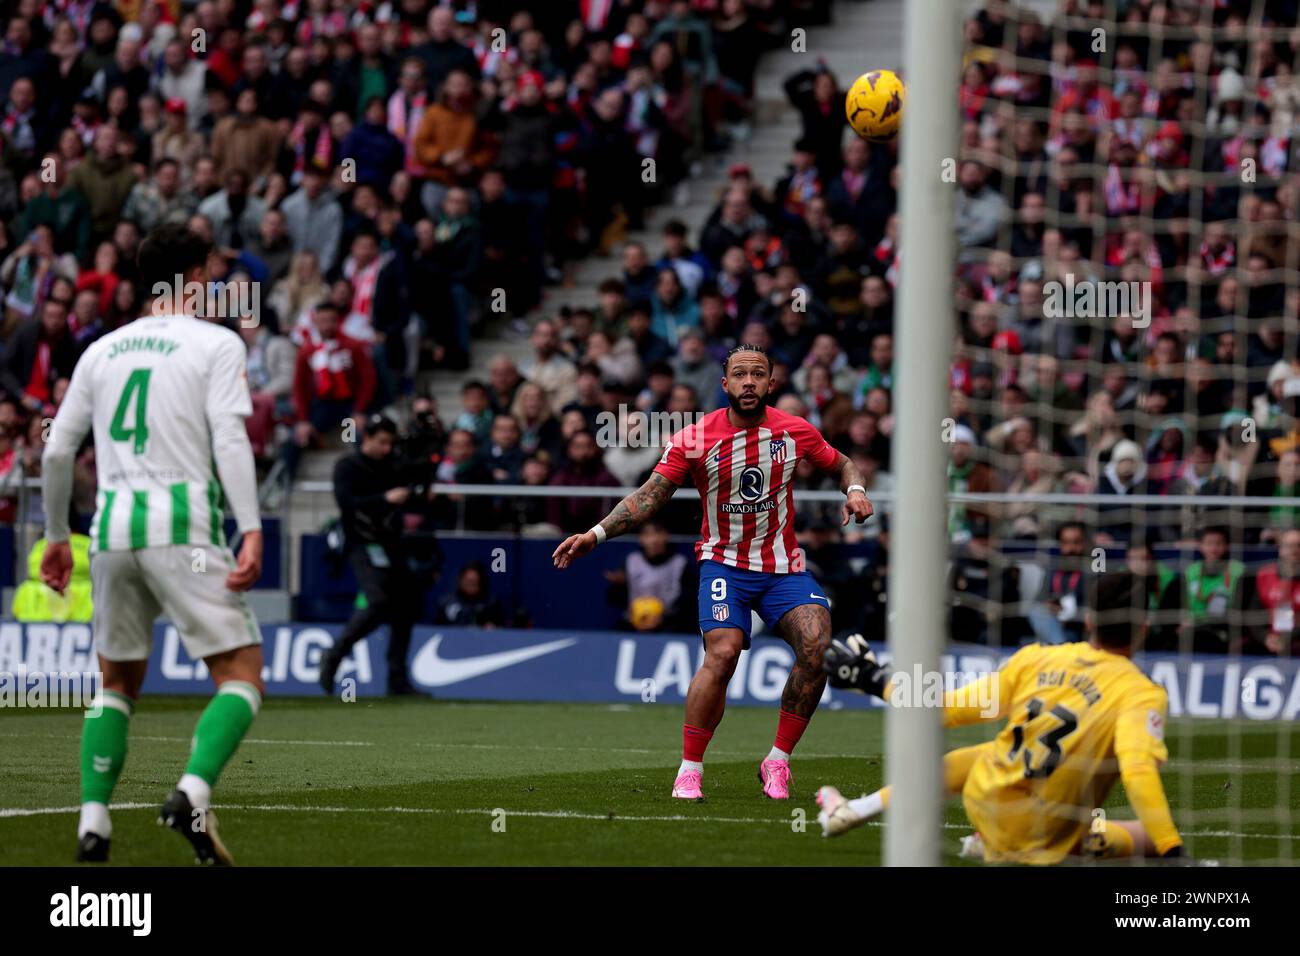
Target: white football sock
column 94, row 819
column 775, row 754
column 869, row 806
column 197, row 789
column 695, row 765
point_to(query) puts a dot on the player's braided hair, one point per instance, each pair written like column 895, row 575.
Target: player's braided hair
column 746, row 347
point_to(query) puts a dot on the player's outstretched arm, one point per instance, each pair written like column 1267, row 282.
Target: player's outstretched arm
column 851, row 664
column 628, row 515
column 852, row 483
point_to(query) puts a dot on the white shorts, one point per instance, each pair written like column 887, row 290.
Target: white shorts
column 185, row 582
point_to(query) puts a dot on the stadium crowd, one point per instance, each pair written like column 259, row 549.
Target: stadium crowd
column 369, row 173
column 1156, row 161
column 383, row 169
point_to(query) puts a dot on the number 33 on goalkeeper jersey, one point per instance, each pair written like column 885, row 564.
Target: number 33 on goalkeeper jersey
column 166, row 398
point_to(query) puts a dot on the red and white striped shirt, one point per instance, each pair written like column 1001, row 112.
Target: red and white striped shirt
column 745, row 479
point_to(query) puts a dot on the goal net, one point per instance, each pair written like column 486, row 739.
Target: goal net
column 1125, row 387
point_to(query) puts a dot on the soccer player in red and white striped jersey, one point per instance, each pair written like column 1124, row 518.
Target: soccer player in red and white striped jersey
column 742, row 458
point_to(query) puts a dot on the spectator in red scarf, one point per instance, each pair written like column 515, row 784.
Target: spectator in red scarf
column 103, row 278
column 1277, row 588
column 333, row 379
column 974, row 91
column 226, row 60
column 39, row 353
column 406, row 109
column 1088, row 96
column 309, row 145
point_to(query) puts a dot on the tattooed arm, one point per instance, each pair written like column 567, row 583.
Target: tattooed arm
column 628, row 515
column 858, row 507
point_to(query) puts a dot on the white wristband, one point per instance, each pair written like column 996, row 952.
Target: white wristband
column 600, row 533
column 852, row 488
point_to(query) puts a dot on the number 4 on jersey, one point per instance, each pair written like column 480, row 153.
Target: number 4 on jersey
column 137, row 385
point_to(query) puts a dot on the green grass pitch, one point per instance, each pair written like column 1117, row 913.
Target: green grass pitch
column 421, row 782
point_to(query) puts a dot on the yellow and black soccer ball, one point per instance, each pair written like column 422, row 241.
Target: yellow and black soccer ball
column 874, row 105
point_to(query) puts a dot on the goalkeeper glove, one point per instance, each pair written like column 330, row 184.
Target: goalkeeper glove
column 851, row 665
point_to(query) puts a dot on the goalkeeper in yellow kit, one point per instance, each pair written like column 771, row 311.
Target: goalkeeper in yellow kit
column 1079, row 716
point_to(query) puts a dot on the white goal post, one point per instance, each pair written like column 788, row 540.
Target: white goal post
column 924, row 331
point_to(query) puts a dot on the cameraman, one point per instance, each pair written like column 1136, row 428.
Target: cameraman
column 418, row 454
column 421, row 449
column 371, row 494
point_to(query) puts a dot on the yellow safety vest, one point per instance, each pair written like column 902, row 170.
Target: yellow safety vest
column 34, row 601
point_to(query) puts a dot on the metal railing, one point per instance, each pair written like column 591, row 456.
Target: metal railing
column 27, row 527
column 827, row 496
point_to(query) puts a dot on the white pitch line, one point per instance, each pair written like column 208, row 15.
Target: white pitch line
column 1175, row 767
column 47, row 811
column 674, row 752
column 246, row 740
column 547, row 814
column 433, row 811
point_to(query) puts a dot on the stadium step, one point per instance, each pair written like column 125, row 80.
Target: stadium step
column 863, row 36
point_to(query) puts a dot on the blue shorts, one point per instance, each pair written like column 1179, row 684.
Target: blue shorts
column 728, row 595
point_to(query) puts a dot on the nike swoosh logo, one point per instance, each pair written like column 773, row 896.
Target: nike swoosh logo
column 820, row 597
column 430, row 670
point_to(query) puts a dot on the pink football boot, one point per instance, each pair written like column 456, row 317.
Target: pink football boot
column 687, row 786
column 775, row 777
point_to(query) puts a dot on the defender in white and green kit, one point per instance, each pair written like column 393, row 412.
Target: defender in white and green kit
column 165, row 398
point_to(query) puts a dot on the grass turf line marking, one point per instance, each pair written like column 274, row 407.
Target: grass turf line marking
column 550, row 814
column 435, row 811
column 1196, row 767
column 246, row 740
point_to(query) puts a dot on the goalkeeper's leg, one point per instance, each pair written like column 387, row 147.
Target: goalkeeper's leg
column 839, row 815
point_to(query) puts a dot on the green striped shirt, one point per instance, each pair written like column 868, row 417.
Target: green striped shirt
column 187, row 512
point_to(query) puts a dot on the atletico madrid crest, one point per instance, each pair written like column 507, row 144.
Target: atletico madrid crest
column 719, row 612
column 777, row 450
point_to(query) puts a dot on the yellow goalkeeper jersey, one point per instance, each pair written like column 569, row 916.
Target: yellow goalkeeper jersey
column 1078, row 718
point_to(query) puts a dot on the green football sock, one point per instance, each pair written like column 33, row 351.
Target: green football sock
column 103, row 746
column 221, row 727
